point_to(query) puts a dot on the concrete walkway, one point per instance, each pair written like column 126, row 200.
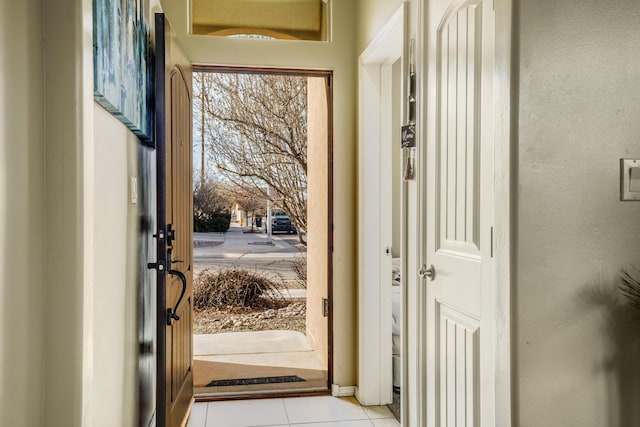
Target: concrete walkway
column 287, row 349
column 235, row 355
column 249, row 342
column 251, row 251
column 239, row 241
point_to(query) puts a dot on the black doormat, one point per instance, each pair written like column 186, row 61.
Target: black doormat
column 253, row 381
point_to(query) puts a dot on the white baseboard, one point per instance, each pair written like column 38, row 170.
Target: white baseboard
column 342, row 391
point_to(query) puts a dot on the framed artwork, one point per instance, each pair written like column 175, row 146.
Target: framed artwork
column 122, row 59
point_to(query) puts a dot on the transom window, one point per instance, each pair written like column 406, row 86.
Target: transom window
column 275, row 19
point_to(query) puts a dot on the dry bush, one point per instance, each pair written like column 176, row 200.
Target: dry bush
column 232, row 287
column 299, row 267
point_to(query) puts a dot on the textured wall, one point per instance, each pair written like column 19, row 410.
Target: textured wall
column 372, row 16
column 21, row 213
column 115, row 282
column 579, row 110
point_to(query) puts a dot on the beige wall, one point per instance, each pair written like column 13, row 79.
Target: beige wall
column 318, row 213
column 372, row 16
column 115, row 285
column 576, row 361
column 21, row 214
column 90, row 342
column 69, row 212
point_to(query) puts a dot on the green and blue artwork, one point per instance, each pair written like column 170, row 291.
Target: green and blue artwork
column 122, row 62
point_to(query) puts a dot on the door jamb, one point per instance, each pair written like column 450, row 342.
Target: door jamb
column 374, row 333
column 308, row 72
column 505, row 134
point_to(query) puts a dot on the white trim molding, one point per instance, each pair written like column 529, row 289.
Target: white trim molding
column 374, row 299
column 343, row 391
column 505, row 179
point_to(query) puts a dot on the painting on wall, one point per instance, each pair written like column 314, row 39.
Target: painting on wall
column 123, row 63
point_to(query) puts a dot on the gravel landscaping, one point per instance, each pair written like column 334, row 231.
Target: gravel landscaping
column 264, row 315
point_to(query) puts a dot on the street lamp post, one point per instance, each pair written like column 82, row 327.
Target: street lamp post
column 269, row 230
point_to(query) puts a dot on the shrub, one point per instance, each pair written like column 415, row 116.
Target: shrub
column 211, row 222
column 299, row 267
column 232, row 287
column 210, row 209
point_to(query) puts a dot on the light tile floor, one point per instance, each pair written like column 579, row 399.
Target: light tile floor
column 316, row 411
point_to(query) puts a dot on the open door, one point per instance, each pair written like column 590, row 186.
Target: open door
column 458, row 271
column 174, row 234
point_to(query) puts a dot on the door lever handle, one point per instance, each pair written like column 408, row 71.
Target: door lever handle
column 172, row 314
column 429, row 272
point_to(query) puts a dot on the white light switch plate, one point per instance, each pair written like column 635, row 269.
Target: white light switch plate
column 629, row 179
column 133, row 190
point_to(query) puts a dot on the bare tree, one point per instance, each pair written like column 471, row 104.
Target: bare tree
column 250, row 201
column 209, row 197
column 257, row 130
column 203, row 169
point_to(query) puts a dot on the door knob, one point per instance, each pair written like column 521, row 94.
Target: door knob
column 429, row 272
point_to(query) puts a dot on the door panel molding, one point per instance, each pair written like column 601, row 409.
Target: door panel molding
column 457, row 366
column 458, row 78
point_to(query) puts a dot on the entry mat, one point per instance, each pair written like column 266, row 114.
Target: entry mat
column 252, row 381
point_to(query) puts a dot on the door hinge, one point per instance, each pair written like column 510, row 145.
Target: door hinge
column 325, row 307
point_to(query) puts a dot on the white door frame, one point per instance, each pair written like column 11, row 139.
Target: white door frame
column 374, row 219
column 505, row 122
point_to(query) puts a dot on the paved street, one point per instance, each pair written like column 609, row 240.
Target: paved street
column 251, row 251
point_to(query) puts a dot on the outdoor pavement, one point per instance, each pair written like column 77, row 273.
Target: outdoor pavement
column 249, row 342
column 253, row 355
column 289, row 349
column 239, row 240
column 252, row 251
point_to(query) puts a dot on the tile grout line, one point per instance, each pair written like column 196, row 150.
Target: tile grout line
column 286, row 413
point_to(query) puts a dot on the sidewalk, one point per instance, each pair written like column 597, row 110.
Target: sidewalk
column 238, row 241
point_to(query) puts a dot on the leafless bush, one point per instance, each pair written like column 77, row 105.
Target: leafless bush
column 299, row 267
column 233, row 287
column 630, row 285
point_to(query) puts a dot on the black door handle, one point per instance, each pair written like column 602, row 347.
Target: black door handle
column 172, row 314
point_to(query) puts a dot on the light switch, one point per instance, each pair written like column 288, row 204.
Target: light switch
column 133, row 190
column 634, row 179
column 629, row 179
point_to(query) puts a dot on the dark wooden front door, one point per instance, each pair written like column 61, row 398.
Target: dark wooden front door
column 174, row 197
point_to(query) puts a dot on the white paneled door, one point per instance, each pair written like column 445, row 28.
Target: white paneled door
column 458, row 270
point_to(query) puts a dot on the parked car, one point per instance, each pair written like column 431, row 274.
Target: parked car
column 281, row 222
